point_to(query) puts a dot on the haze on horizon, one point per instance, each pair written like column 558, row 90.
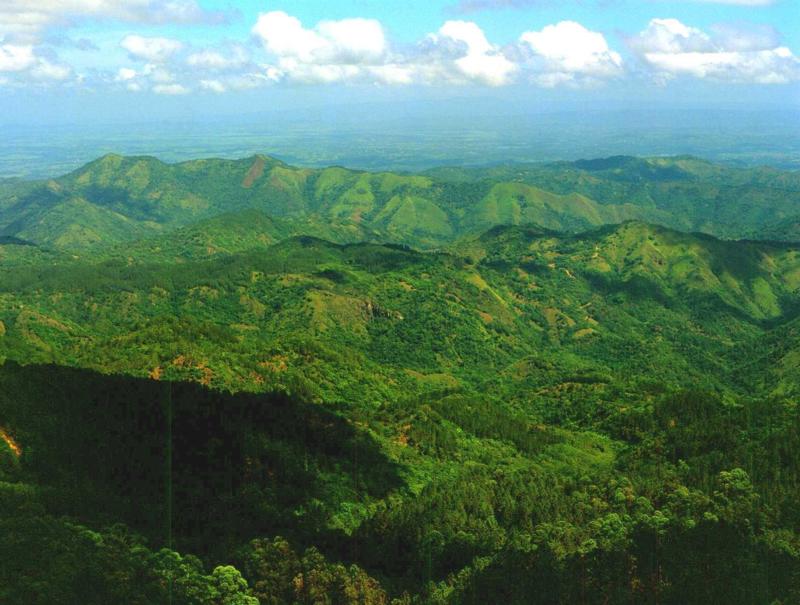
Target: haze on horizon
column 311, row 80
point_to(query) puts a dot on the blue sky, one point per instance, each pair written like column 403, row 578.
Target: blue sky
column 106, row 59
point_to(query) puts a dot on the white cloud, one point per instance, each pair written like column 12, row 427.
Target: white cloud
column 776, row 66
column 46, row 70
column 213, row 86
column 16, row 57
column 151, row 76
column 170, row 89
column 27, row 65
column 351, row 50
column 671, row 49
column 28, row 18
column 156, row 50
column 125, row 74
column 250, row 80
column 352, row 41
column 568, row 53
column 216, row 60
column 471, row 57
column 393, row 73
column 158, row 73
column 332, row 51
column 671, row 36
column 357, row 50
column 344, row 42
column 285, row 36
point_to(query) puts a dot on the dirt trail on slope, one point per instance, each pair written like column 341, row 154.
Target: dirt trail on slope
column 255, row 173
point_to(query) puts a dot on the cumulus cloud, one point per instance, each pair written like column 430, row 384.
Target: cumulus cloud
column 27, row 18
column 332, row 51
column 16, row 57
column 568, row 53
column 156, row 50
column 467, row 55
column 358, row 50
column 150, row 76
column 22, row 64
column 670, row 49
column 345, row 42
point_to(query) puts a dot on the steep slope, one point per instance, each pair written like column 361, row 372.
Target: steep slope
column 15, row 252
column 787, row 230
column 117, row 199
column 529, row 414
column 305, row 310
column 229, row 233
column 681, row 192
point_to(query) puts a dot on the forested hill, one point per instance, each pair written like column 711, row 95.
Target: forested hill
column 117, row 199
column 443, row 318
column 229, row 382
column 553, row 418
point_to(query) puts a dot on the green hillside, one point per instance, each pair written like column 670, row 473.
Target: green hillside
column 118, row 199
column 230, row 382
column 787, row 230
column 494, row 299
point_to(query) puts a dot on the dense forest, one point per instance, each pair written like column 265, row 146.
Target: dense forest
column 119, row 199
column 239, row 382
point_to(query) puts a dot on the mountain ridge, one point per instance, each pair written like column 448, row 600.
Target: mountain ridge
column 116, row 199
column 520, row 411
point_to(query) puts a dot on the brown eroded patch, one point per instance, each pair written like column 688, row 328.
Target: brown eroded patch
column 13, row 445
column 255, row 172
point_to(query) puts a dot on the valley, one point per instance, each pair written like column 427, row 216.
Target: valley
column 572, row 382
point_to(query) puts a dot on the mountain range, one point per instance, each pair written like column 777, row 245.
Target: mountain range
column 561, row 383
column 117, row 199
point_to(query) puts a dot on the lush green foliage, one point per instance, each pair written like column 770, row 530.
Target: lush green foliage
column 520, row 416
column 118, row 199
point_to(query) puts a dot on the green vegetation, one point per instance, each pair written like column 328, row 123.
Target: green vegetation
column 268, row 397
column 118, row 199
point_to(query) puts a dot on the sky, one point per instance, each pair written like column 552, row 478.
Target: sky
column 74, row 61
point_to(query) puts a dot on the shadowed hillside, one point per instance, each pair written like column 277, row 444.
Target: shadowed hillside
column 305, row 386
column 176, row 457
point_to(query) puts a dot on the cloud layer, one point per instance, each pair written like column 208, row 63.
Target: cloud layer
column 283, row 49
column 671, row 49
column 568, row 53
column 28, row 18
